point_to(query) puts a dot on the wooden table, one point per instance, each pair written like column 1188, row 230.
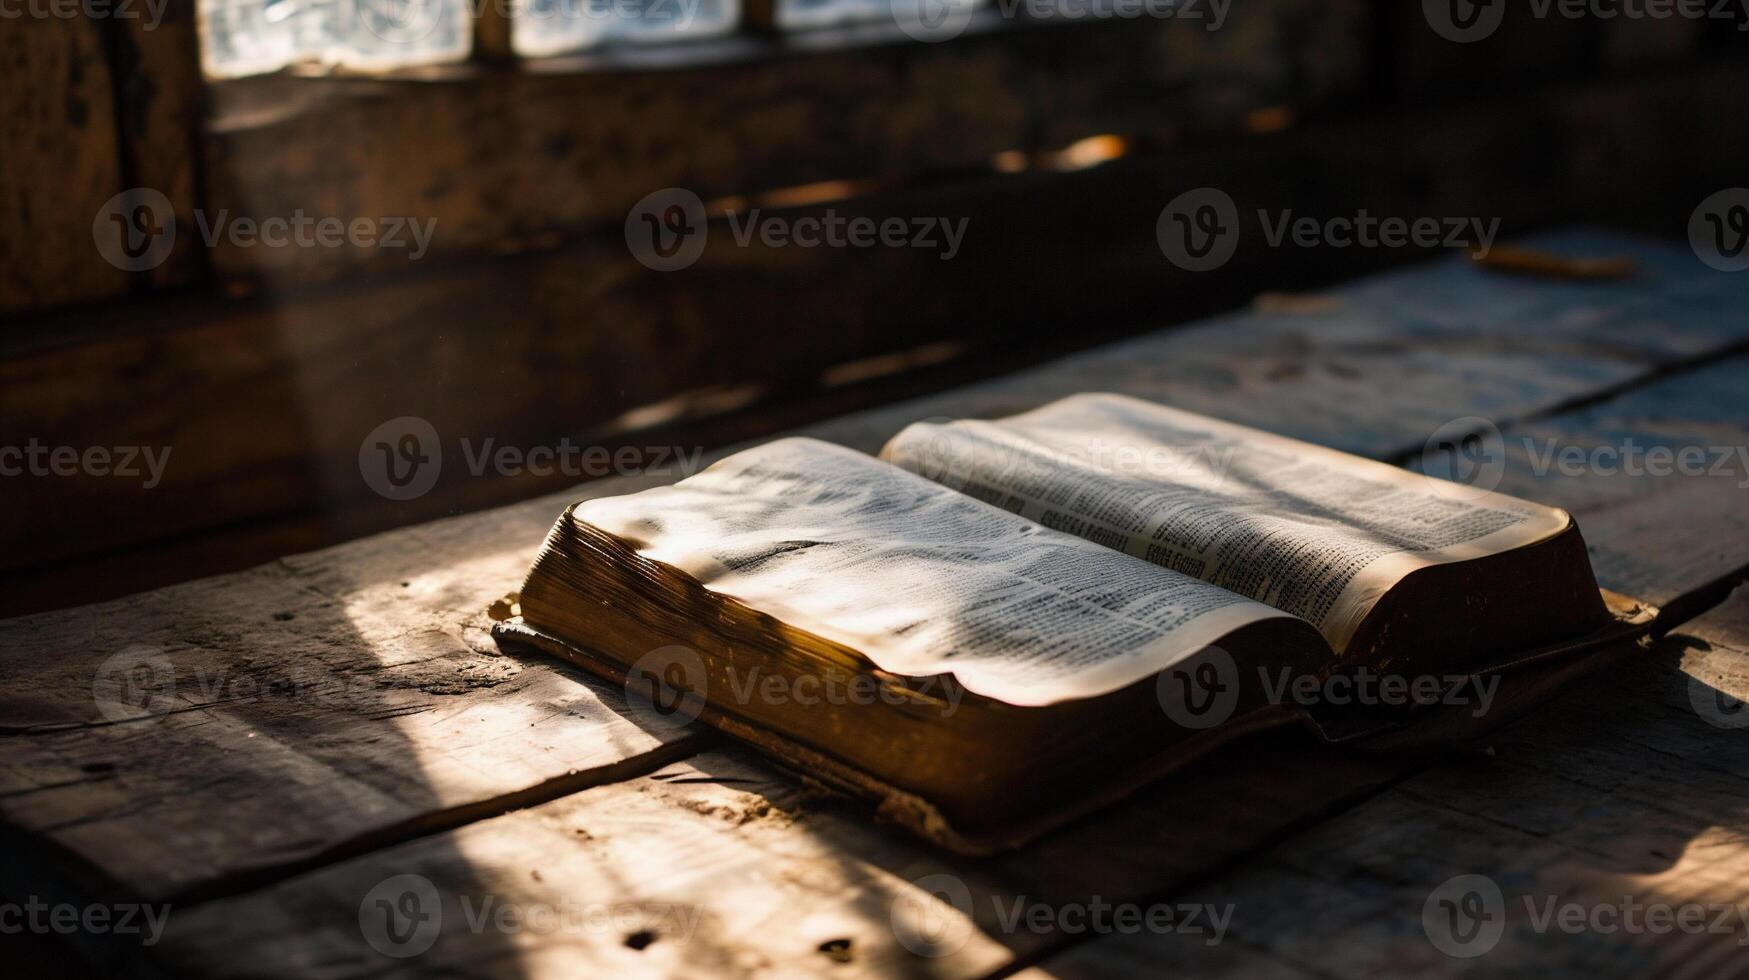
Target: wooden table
column 272, row 753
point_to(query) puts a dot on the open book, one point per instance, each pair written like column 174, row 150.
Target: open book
column 997, row 625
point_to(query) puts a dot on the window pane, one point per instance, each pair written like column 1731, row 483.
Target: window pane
column 246, row 37
column 926, row 20
column 546, row 27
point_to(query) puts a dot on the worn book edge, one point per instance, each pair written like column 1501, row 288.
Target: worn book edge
column 1528, row 678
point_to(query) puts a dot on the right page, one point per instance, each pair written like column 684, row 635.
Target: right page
column 1311, row 531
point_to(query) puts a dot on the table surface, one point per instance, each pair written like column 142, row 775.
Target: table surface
column 272, row 754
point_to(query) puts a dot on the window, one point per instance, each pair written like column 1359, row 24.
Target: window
column 251, row 37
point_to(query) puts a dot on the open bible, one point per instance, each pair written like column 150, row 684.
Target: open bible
column 998, row 625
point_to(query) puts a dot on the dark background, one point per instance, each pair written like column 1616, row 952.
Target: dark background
column 529, row 321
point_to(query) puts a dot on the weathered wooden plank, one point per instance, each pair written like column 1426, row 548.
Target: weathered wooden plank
column 1378, row 366
column 1630, row 788
column 62, row 163
column 1657, row 477
column 737, row 870
column 250, row 725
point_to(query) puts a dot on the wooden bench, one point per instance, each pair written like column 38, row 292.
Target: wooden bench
column 269, row 752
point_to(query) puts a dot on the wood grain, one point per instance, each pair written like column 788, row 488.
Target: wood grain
column 314, row 706
column 162, row 106
column 62, row 163
column 1658, row 478
column 1630, row 787
column 741, row 871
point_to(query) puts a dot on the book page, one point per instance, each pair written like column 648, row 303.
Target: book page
column 920, row 579
column 1315, row 532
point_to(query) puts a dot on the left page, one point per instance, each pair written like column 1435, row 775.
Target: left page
column 920, row 579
